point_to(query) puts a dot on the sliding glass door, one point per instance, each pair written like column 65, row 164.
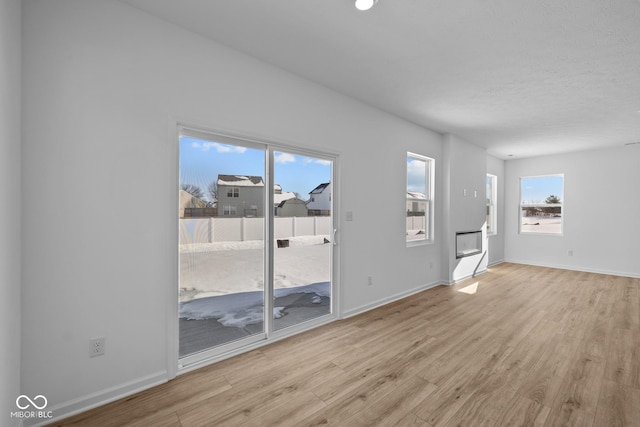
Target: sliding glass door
column 256, row 242
column 222, row 223
column 304, row 242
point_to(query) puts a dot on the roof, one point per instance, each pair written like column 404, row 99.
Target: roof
column 320, row 188
column 189, row 201
column 240, row 181
column 279, row 198
column 416, row 195
column 293, row 200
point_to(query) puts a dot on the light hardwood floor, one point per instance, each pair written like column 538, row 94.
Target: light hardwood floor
column 532, row 346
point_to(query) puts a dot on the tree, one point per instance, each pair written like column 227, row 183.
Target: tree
column 552, row 200
column 194, row 190
column 552, row 210
column 213, row 190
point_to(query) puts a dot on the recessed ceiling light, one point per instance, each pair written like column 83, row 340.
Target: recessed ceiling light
column 365, row 4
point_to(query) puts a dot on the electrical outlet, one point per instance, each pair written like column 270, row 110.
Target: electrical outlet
column 369, row 281
column 96, row 347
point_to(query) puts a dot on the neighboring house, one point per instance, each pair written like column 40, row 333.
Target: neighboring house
column 292, row 207
column 240, row 196
column 279, row 197
column 189, row 202
column 320, row 200
column 416, row 207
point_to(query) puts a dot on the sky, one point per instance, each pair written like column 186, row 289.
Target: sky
column 202, row 161
column 536, row 189
column 416, row 179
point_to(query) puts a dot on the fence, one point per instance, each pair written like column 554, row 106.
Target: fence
column 209, row 230
column 416, row 223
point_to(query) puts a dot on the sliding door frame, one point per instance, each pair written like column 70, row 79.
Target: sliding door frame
column 188, row 363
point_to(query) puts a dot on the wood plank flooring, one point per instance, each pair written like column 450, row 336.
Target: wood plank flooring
column 531, row 346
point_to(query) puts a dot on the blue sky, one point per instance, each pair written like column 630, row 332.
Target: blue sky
column 537, row 189
column 202, row 161
column 416, row 171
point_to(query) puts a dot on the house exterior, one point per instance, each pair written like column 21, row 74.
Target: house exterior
column 319, row 203
column 240, row 196
column 279, row 197
column 188, row 203
column 416, row 203
column 292, row 207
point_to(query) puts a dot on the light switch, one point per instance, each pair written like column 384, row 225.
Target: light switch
column 348, row 216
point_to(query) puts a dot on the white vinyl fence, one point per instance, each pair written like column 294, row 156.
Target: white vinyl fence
column 416, row 224
column 209, row 230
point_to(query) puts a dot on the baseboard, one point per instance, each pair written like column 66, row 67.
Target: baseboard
column 468, row 276
column 384, row 301
column 85, row 403
column 574, row 268
column 493, row 264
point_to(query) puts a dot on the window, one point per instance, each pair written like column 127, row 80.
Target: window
column 233, row 192
column 229, row 210
column 252, row 212
column 541, row 199
column 492, row 196
column 419, row 206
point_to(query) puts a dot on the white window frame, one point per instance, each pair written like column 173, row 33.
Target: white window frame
column 233, row 192
column 229, row 210
column 541, row 205
column 492, row 206
column 428, row 200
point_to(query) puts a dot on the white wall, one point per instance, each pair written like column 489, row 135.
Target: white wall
column 103, row 82
column 495, row 242
column 601, row 212
column 10, row 70
column 465, row 170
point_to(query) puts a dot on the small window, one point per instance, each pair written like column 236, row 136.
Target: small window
column 229, row 210
column 541, row 199
column 492, row 196
column 233, row 192
column 419, row 206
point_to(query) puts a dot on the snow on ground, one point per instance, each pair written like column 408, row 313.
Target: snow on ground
column 222, row 271
column 538, row 224
column 244, row 308
column 225, row 280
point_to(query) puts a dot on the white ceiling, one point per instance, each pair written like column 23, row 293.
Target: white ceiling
column 519, row 77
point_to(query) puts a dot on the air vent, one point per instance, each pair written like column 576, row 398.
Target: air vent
column 633, row 143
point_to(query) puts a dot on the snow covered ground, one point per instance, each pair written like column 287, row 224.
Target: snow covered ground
column 245, row 308
column 536, row 224
column 224, row 280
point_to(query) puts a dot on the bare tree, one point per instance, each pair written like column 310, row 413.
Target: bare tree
column 213, row 190
column 192, row 189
